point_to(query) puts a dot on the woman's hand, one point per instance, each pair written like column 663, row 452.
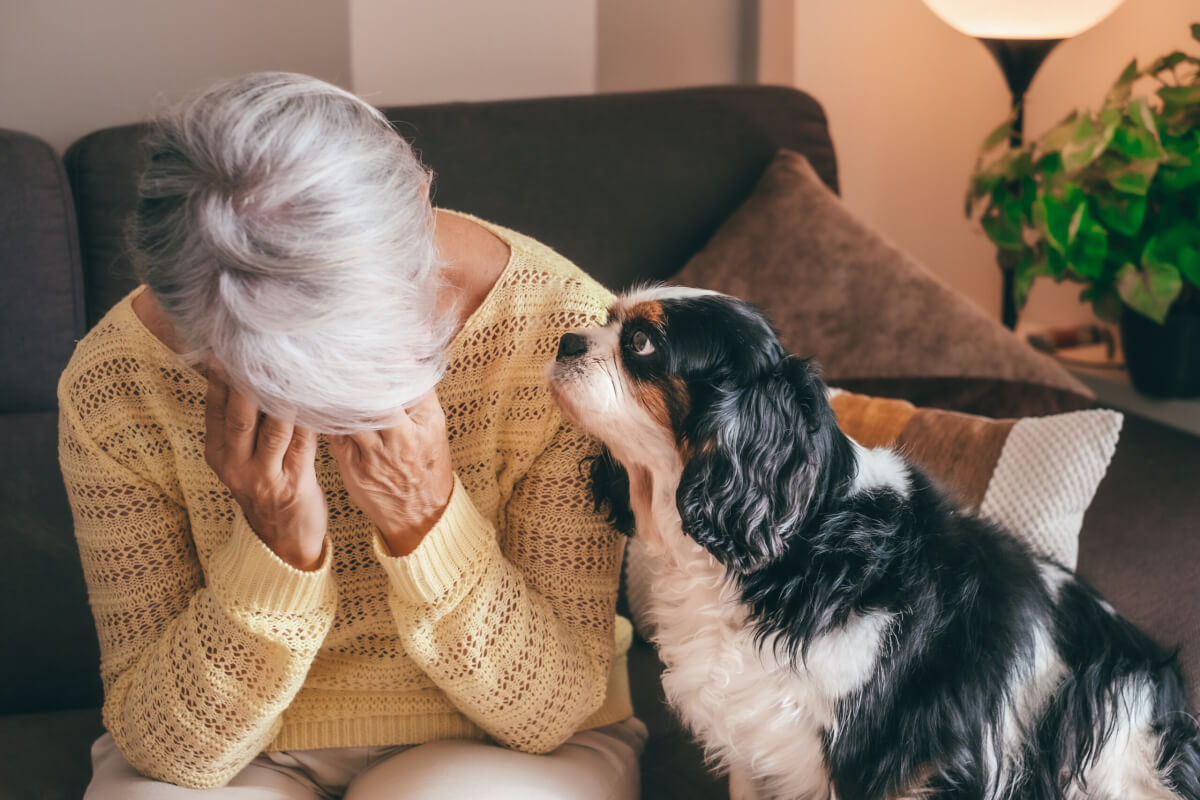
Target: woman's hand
column 269, row 466
column 401, row 476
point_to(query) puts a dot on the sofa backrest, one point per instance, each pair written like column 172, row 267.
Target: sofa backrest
column 626, row 185
column 629, row 186
column 46, row 632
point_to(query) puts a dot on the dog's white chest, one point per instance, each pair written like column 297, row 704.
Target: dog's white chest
column 748, row 708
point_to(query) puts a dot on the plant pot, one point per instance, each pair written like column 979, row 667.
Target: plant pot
column 1163, row 360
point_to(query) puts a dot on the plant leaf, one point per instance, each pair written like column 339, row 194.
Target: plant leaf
column 1188, row 263
column 1002, row 223
column 1167, row 62
column 1179, row 246
column 1130, row 175
column 1060, row 135
column 1179, row 98
column 1002, row 133
column 1150, row 290
column 1124, row 213
column 1196, row 31
column 1086, row 144
column 1087, row 244
column 1179, row 178
column 1121, row 89
column 1028, row 269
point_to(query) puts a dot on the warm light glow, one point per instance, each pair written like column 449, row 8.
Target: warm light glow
column 1023, row 19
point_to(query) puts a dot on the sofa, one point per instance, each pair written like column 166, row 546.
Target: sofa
column 629, row 186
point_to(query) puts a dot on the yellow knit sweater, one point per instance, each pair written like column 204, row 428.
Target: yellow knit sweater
column 500, row 625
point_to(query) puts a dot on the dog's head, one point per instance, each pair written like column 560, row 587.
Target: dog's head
column 696, row 385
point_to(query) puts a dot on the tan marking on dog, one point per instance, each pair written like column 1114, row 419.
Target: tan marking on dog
column 649, row 310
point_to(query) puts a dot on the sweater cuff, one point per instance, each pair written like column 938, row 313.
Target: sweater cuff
column 245, row 573
column 460, row 538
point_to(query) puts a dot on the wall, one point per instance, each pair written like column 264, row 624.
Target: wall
column 405, row 53
column 659, row 44
column 68, row 67
column 910, row 99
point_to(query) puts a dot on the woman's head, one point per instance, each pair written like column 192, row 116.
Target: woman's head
column 286, row 231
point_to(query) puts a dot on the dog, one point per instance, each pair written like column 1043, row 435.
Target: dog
column 831, row 625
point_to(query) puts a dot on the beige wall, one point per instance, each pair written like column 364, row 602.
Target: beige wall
column 443, row 50
column 68, row 67
column 658, row 44
column 909, row 99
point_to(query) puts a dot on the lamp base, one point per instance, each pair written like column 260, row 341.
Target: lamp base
column 1019, row 60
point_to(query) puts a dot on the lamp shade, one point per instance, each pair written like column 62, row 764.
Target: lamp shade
column 1022, row 19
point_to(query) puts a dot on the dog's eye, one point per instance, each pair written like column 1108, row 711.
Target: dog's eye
column 640, row 343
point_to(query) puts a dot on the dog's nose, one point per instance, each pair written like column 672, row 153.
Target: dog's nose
column 571, row 344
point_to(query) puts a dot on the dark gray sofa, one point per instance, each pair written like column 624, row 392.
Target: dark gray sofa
column 628, row 186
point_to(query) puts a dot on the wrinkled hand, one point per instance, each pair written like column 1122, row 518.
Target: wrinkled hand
column 269, row 466
column 400, row 476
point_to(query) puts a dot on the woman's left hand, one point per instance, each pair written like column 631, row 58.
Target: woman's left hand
column 400, row 476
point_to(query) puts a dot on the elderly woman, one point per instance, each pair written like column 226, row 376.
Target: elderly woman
column 334, row 529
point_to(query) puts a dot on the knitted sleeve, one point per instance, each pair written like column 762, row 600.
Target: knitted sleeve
column 197, row 664
column 516, row 626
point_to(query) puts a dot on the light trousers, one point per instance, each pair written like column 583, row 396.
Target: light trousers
column 597, row 764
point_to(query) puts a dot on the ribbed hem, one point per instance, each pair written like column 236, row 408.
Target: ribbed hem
column 389, row 730
column 461, row 537
column 367, row 731
column 245, row 573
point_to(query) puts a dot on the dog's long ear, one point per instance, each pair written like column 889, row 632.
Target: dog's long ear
column 763, row 457
column 610, row 491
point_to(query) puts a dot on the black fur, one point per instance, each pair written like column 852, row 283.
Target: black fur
column 610, row 491
column 765, row 490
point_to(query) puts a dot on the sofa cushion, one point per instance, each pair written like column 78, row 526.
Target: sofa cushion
column 41, row 301
column 52, row 659
column 1140, row 546
column 48, row 755
column 840, row 293
column 1033, row 476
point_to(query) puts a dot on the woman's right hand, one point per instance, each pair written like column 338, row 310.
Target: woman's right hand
column 269, row 466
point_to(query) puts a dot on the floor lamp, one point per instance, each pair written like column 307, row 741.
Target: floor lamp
column 1020, row 34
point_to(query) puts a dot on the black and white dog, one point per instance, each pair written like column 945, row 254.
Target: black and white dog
column 832, row 627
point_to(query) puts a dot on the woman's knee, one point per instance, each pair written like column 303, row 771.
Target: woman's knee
column 593, row 765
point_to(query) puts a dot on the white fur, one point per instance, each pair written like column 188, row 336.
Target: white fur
column 660, row 292
column 1127, row 766
column 1033, row 683
column 752, row 712
column 879, row 468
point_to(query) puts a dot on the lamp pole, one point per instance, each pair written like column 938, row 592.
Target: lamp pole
column 1019, row 60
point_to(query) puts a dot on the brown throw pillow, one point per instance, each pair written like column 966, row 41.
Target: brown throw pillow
column 840, row 293
column 1033, row 476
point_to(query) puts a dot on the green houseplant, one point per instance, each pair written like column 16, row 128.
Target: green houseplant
column 1110, row 199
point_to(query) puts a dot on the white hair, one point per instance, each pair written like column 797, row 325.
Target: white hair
column 286, row 230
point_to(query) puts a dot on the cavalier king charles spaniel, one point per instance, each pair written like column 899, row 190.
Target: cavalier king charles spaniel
column 832, row 626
